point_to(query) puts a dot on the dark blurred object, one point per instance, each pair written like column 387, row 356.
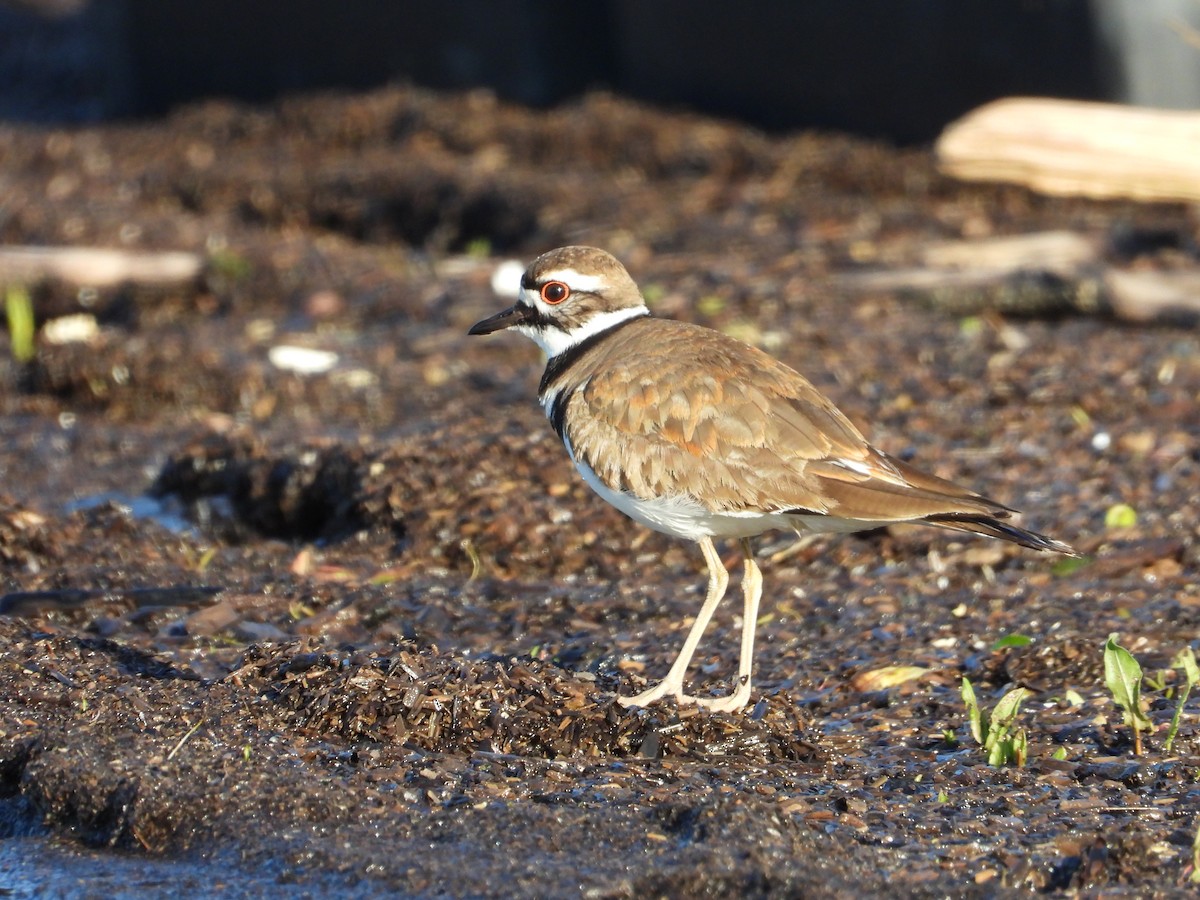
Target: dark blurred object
column 49, row 8
column 63, row 60
column 534, row 51
column 899, row 70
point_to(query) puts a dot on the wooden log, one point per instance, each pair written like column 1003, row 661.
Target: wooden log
column 1075, row 148
column 96, row 267
column 1153, row 296
column 1044, row 274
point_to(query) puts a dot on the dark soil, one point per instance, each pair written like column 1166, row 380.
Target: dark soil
column 363, row 630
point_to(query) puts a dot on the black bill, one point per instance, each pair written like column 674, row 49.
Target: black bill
column 514, row 315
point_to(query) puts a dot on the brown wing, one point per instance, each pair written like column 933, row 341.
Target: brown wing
column 740, row 432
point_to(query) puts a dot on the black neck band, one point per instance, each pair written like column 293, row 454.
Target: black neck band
column 559, row 364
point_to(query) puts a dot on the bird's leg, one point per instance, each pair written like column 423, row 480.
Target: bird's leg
column 751, row 594
column 718, row 580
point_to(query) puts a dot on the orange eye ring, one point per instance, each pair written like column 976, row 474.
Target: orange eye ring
column 555, row 292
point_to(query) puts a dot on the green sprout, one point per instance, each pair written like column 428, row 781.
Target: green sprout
column 1123, row 676
column 18, row 308
column 230, row 265
column 1012, row 640
column 653, row 293
column 1185, row 660
column 479, row 248
column 1003, row 745
column 1120, row 515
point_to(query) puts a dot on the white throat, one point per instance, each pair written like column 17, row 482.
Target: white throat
column 553, row 341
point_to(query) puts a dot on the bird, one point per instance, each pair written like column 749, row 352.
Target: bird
column 697, row 435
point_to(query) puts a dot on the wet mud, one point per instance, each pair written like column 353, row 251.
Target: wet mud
column 362, row 629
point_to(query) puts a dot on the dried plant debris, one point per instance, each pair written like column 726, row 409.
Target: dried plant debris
column 26, row 540
column 520, row 707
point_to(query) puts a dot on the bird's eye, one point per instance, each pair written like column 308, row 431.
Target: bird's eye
column 554, row 292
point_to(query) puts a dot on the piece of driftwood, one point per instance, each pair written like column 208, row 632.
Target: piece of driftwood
column 1153, row 295
column 97, row 267
column 1076, row 148
column 1043, row 274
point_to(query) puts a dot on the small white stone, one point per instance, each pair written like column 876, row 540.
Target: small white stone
column 1101, row 441
column 304, row 360
column 506, row 279
column 76, row 329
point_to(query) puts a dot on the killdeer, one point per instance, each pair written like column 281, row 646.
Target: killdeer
column 700, row 436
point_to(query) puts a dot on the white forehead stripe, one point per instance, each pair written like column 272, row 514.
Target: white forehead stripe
column 576, row 281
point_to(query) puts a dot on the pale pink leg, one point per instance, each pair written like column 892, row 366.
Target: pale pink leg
column 751, row 596
column 718, row 580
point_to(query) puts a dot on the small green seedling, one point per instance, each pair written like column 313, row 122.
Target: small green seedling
column 1120, row 515
column 1012, row 640
column 1068, row 565
column 1185, row 660
column 1003, row 746
column 1123, row 676
column 18, row 309
column 479, row 248
column 229, row 264
column 1195, row 878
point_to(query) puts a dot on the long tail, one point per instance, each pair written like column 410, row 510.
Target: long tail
column 993, row 527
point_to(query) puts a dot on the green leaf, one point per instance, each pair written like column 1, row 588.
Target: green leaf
column 1155, row 680
column 1123, row 676
column 998, row 755
column 1020, row 748
column 973, row 715
column 1060, row 753
column 1185, row 659
column 1009, row 706
column 1120, row 515
column 1013, row 640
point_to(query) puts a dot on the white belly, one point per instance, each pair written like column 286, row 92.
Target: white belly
column 681, row 516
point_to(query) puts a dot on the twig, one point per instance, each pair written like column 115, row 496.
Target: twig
column 183, row 740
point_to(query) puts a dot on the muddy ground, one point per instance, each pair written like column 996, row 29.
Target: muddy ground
column 362, row 630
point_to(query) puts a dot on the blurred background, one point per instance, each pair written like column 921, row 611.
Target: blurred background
column 875, row 67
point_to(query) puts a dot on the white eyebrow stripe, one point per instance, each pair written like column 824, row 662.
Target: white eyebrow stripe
column 576, row 281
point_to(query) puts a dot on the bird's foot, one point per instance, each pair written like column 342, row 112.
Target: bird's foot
column 660, row 690
column 734, row 702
